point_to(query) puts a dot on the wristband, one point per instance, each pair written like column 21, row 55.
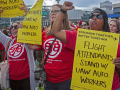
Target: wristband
column 63, row 11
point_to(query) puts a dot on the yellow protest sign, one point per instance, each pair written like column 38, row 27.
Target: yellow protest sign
column 31, row 31
column 11, row 8
column 94, row 54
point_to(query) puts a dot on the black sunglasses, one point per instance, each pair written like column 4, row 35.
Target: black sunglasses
column 83, row 25
column 99, row 16
column 15, row 27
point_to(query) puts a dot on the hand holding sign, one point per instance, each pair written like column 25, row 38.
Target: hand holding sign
column 24, row 8
column 31, row 26
column 20, row 25
column 116, row 61
column 93, row 67
column 11, row 8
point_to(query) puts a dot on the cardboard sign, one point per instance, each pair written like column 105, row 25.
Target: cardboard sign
column 31, row 31
column 11, row 8
column 93, row 67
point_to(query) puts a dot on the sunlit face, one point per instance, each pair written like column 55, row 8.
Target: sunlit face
column 54, row 13
column 14, row 30
column 113, row 27
column 84, row 25
column 95, row 23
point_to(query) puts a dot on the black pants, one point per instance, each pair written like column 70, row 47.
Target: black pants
column 23, row 84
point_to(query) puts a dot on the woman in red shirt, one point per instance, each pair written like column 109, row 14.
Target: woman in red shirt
column 21, row 65
column 98, row 21
column 59, row 63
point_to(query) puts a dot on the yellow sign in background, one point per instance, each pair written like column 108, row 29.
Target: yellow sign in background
column 94, row 54
column 31, row 31
column 11, row 8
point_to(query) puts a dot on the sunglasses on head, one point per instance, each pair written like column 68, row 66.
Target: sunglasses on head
column 15, row 27
column 99, row 16
column 83, row 25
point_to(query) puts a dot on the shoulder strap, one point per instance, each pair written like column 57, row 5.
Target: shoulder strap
column 7, row 49
column 49, row 51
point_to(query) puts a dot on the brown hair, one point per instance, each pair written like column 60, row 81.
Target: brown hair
column 117, row 23
column 65, row 22
column 5, row 32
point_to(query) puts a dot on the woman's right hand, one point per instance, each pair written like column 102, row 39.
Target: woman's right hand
column 67, row 6
column 1, row 11
column 24, row 8
column 32, row 46
column 20, row 25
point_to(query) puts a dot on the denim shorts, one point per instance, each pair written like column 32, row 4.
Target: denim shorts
column 59, row 86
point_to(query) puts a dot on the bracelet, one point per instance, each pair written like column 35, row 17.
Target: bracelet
column 63, row 11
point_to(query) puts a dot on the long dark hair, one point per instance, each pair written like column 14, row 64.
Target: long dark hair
column 105, row 26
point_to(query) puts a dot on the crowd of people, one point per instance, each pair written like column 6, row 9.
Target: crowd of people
column 59, row 64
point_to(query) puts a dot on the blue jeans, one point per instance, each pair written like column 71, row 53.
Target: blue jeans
column 58, row 86
column 118, row 88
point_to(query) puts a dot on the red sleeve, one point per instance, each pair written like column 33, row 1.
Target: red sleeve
column 71, row 39
column 43, row 39
column 118, row 52
column 1, row 46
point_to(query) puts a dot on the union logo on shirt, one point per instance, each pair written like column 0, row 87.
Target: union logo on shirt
column 56, row 48
column 16, row 50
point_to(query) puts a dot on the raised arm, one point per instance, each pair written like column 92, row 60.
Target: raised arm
column 56, row 29
column 3, row 38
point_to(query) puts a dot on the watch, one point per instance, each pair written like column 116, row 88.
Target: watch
column 63, row 11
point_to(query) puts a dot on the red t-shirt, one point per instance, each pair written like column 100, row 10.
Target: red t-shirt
column 18, row 62
column 71, row 42
column 59, row 63
column 72, row 26
column 12, row 36
column 1, row 46
column 78, row 27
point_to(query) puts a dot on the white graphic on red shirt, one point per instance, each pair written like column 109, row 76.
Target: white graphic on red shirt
column 56, row 48
column 16, row 50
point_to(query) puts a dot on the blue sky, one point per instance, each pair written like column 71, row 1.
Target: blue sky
column 81, row 4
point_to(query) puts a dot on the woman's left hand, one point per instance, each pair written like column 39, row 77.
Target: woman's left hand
column 24, row 8
column 116, row 61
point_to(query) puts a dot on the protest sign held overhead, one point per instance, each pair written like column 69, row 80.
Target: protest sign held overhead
column 31, row 31
column 93, row 67
column 11, row 8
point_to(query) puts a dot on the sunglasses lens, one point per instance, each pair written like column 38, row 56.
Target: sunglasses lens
column 92, row 16
column 15, row 27
column 83, row 25
column 99, row 16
